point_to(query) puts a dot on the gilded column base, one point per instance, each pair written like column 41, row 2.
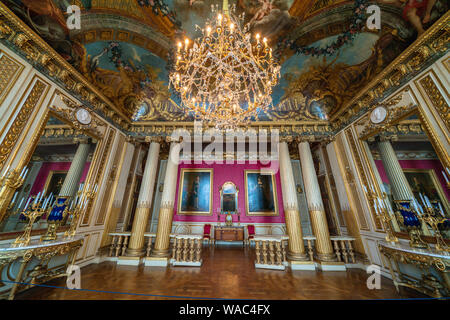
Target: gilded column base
column 135, row 252
column 327, row 257
column 295, row 256
column 162, row 241
column 162, row 253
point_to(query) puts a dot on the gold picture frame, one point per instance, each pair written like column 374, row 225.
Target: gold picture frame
column 50, row 175
column 272, row 179
column 185, row 207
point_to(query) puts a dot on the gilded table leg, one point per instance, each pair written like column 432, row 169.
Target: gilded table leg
column 18, row 279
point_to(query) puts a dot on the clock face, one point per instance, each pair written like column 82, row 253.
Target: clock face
column 83, row 116
column 378, row 115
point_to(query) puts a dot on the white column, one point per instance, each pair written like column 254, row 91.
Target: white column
column 401, row 190
column 136, row 244
column 296, row 250
column 161, row 248
column 319, row 223
column 72, row 180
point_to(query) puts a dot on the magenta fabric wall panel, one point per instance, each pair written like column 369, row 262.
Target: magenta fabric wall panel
column 39, row 183
column 234, row 173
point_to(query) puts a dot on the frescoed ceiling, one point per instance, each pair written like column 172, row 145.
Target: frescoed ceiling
column 124, row 48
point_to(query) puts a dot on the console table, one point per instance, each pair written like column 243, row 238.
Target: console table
column 435, row 284
column 43, row 252
column 226, row 233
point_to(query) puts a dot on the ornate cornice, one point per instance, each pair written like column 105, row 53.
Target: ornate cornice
column 16, row 35
column 429, row 47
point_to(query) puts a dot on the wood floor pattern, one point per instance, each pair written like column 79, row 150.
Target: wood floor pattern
column 227, row 272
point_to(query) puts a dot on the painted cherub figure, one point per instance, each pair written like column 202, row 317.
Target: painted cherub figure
column 417, row 12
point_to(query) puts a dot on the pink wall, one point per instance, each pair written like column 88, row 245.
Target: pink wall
column 41, row 177
column 417, row 164
column 234, row 173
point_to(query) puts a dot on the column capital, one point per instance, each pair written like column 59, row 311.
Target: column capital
column 81, row 140
column 154, row 139
column 387, row 137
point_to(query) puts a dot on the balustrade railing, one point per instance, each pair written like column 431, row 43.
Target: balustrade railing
column 270, row 252
column 119, row 243
column 343, row 249
column 187, row 250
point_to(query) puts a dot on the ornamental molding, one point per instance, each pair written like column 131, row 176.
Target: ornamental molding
column 16, row 35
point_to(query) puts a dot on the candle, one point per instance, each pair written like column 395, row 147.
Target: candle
column 421, row 198
column 96, row 188
column 445, row 177
column 37, row 197
column 21, row 173
column 20, row 203
column 448, row 171
column 376, row 207
column 14, row 198
column 26, row 205
column 6, row 171
column 365, row 188
column 25, row 174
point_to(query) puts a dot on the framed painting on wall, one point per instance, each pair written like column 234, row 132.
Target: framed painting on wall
column 260, row 193
column 426, row 182
column 195, row 192
column 54, row 182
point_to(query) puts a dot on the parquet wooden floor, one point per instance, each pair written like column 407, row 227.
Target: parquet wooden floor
column 227, row 272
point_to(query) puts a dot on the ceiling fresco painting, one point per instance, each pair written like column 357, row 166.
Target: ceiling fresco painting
column 326, row 53
column 131, row 77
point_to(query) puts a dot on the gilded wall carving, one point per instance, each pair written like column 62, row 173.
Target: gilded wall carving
column 437, row 99
column 362, row 175
column 10, row 70
column 99, row 174
column 21, row 120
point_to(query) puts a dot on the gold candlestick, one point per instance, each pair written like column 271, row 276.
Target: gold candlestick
column 433, row 220
column 34, row 213
column 385, row 219
column 9, row 182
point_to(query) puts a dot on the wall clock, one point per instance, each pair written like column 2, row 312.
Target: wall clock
column 378, row 115
column 83, row 116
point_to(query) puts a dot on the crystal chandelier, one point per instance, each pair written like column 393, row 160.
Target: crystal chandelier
column 225, row 77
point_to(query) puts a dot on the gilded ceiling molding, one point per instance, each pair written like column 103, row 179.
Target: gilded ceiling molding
column 285, row 128
column 21, row 120
column 18, row 36
column 95, row 128
column 395, row 113
column 428, row 47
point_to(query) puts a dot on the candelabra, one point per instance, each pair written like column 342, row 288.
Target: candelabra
column 410, row 219
column 77, row 207
column 382, row 213
column 430, row 217
column 57, row 213
column 31, row 213
column 9, row 182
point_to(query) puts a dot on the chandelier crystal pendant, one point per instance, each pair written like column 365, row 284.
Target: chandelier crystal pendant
column 225, row 77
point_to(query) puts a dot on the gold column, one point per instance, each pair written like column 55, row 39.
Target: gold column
column 136, row 245
column 319, row 226
column 319, row 223
column 162, row 241
column 296, row 247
